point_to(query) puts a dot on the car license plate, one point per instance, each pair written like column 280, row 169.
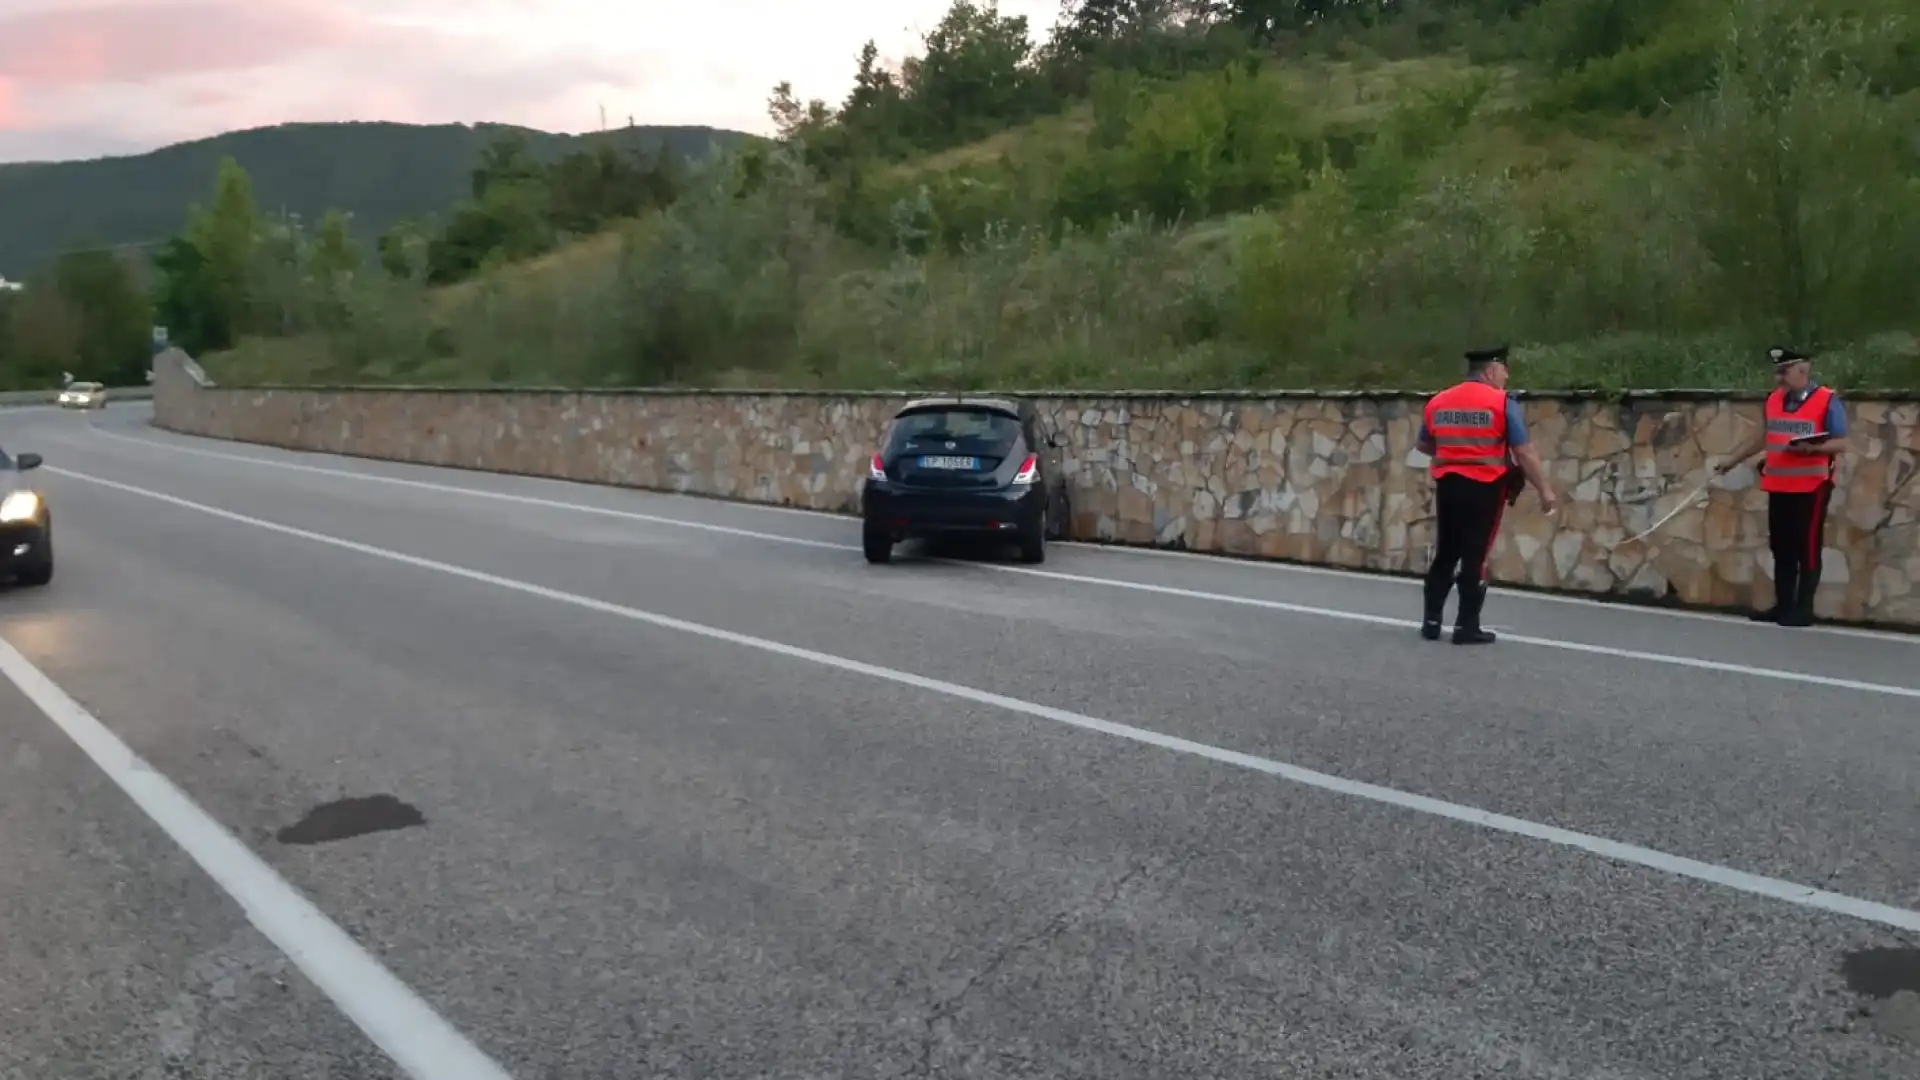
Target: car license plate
column 965, row 463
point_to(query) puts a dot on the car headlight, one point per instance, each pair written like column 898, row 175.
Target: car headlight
column 19, row 506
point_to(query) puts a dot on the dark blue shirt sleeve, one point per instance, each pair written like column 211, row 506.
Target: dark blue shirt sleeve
column 1516, row 424
column 1425, row 435
column 1836, row 416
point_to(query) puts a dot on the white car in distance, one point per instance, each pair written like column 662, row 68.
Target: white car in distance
column 84, row 395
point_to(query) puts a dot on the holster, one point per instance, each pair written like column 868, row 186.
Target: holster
column 1515, row 482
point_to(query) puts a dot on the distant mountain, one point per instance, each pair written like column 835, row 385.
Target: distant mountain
column 381, row 172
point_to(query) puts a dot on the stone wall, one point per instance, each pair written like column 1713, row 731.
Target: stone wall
column 1329, row 479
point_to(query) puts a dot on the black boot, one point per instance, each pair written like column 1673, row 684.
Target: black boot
column 1786, row 592
column 1466, row 625
column 1800, row 612
column 1436, row 607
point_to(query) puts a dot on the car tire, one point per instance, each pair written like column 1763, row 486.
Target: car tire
column 1033, row 542
column 37, row 575
column 1060, row 519
column 878, row 545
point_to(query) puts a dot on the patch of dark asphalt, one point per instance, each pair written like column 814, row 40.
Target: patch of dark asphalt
column 343, row 819
column 1881, row 973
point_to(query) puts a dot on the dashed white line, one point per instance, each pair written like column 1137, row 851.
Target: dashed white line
column 403, row 1026
column 1789, row 892
column 1724, row 667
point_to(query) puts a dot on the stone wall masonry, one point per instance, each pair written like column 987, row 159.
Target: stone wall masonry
column 1327, row 479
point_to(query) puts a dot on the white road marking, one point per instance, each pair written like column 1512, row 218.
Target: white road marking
column 1790, row 892
column 1722, row 666
column 1408, row 579
column 406, row 1028
column 1696, row 663
column 1215, row 561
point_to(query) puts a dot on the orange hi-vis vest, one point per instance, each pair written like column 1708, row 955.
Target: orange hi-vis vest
column 1795, row 473
column 1468, row 423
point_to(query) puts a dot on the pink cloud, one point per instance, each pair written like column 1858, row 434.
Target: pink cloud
column 210, row 97
column 11, row 116
column 142, row 43
column 89, row 77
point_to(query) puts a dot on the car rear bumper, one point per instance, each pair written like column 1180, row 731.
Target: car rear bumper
column 22, row 544
column 910, row 512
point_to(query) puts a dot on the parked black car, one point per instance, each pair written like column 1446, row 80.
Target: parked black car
column 956, row 466
column 26, row 525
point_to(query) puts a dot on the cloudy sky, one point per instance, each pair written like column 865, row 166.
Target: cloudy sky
column 83, row 78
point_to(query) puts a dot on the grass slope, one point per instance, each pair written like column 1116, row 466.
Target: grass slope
column 1341, row 219
column 1335, row 94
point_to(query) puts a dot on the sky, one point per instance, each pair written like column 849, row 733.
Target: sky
column 87, row 78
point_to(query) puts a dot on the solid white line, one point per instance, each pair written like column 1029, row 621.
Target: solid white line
column 1730, row 622
column 406, row 1028
column 1214, row 561
column 1774, row 888
column 1722, row 666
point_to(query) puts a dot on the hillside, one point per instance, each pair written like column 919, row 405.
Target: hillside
column 380, row 172
column 1634, row 192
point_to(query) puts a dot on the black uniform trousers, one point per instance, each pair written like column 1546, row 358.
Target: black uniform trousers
column 1796, row 531
column 1466, row 519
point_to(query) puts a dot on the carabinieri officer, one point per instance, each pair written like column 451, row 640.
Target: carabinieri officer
column 1475, row 434
column 1806, row 431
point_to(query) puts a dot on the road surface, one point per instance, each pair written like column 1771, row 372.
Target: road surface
column 686, row 789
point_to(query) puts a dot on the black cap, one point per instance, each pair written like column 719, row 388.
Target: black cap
column 1495, row 355
column 1781, row 356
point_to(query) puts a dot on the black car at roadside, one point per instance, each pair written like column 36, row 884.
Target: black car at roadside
column 967, row 467
column 26, row 525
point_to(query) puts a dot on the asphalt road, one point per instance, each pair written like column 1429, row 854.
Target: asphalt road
column 706, row 796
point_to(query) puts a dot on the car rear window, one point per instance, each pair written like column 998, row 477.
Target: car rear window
column 979, row 431
column 84, row 387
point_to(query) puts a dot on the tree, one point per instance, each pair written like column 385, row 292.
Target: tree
column 510, row 222
column 975, row 74
column 9, row 303
column 506, row 159
column 793, row 120
column 183, row 300
column 403, row 250
column 335, row 256
column 873, row 107
column 1797, row 171
column 48, row 331
column 103, row 290
column 332, row 263
column 203, row 272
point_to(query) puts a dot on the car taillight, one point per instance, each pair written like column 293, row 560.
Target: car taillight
column 876, row 469
column 1028, row 470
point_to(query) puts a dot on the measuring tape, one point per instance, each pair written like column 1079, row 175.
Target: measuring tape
column 1696, row 496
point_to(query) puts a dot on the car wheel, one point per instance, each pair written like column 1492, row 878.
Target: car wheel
column 1033, row 541
column 877, row 543
column 38, row 574
column 1060, row 518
